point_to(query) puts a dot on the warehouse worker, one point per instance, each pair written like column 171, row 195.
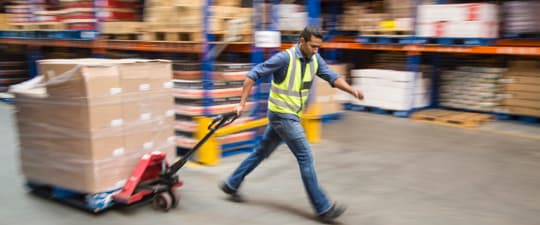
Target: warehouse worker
column 293, row 72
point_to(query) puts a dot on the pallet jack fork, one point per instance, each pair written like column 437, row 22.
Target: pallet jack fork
column 154, row 178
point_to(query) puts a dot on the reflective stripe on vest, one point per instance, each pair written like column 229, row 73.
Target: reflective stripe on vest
column 288, row 96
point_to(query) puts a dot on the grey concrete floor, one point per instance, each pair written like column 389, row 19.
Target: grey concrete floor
column 387, row 170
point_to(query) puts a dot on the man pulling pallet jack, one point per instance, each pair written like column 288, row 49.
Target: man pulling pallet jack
column 293, row 72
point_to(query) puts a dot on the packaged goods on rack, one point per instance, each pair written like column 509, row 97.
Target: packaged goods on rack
column 292, row 17
column 165, row 21
column 473, row 88
column 3, row 21
column 85, row 123
column 231, row 23
column 521, row 88
column 70, row 14
column 12, row 72
column 479, row 20
column 521, row 17
column 192, row 98
column 391, row 89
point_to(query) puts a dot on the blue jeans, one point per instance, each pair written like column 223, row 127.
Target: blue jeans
column 292, row 133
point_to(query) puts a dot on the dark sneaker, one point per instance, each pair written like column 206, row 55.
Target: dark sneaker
column 233, row 194
column 332, row 214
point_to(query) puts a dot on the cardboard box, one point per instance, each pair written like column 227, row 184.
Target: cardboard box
column 523, row 95
column 521, row 111
column 198, row 3
column 69, row 114
column 522, row 103
column 324, row 99
column 522, row 87
column 83, row 176
column 228, row 2
column 136, row 111
column 80, row 78
column 522, row 80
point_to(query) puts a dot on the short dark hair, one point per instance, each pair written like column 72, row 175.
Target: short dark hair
column 311, row 30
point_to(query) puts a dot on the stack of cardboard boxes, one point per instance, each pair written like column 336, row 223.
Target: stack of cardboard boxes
column 522, row 88
column 85, row 126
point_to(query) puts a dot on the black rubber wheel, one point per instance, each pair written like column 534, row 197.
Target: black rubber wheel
column 162, row 201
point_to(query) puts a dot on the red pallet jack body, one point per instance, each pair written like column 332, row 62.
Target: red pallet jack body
column 154, row 177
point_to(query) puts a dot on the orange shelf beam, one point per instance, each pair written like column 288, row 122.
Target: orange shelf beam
column 197, row 47
column 494, row 50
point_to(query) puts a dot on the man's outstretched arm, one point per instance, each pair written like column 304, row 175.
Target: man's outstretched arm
column 344, row 86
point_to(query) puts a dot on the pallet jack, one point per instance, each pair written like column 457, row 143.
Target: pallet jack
column 155, row 179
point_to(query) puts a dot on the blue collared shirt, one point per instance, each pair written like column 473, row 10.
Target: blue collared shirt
column 277, row 66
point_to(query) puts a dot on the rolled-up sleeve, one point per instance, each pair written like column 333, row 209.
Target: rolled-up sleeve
column 273, row 64
column 325, row 72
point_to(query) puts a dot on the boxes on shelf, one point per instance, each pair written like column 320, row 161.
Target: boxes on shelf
column 228, row 2
column 3, row 21
column 292, row 17
column 476, row 20
column 225, row 17
column 457, row 12
column 521, row 17
column 462, row 29
column 391, row 89
column 84, row 127
column 521, row 92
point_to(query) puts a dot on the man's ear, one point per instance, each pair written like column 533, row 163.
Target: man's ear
column 301, row 40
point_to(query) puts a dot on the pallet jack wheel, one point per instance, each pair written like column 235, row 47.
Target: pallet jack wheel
column 176, row 199
column 162, row 201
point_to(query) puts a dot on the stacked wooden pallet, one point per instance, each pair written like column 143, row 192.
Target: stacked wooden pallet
column 452, row 118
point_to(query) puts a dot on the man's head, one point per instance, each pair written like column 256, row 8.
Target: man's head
column 310, row 41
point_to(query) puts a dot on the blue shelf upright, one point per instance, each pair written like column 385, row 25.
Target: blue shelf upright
column 33, row 54
column 207, row 64
column 314, row 12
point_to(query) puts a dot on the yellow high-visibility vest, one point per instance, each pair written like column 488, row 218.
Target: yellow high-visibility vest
column 291, row 94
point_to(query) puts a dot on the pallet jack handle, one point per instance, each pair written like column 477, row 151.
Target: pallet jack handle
column 218, row 122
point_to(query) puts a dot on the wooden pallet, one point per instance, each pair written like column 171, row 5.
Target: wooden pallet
column 173, row 36
column 37, row 26
column 291, row 32
column 125, row 36
column 452, row 118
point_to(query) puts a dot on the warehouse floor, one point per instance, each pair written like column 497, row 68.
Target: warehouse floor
column 387, row 170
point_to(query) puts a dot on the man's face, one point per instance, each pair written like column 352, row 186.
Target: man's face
column 309, row 48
